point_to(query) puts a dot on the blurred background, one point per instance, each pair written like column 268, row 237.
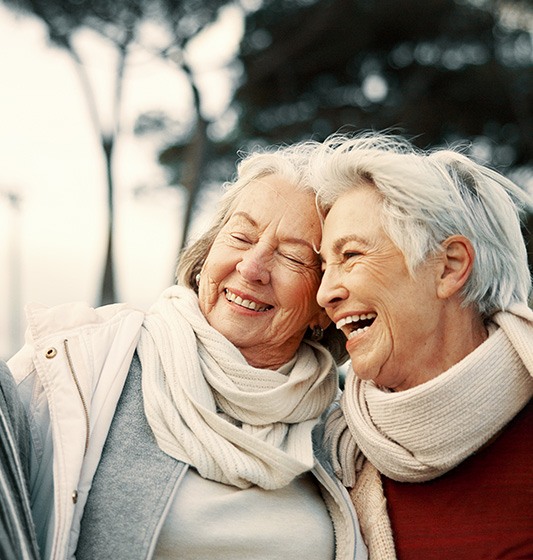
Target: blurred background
column 120, row 121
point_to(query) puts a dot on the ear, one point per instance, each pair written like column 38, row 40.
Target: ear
column 457, row 262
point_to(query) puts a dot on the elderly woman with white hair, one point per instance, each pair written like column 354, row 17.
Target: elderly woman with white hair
column 194, row 430
column 426, row 273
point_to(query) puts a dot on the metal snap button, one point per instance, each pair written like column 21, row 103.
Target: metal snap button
column 51, row 353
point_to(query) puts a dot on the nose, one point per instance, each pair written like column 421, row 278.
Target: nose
column 255, row 265
column 331, row 290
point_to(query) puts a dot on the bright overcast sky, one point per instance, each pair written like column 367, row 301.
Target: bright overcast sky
column 52, row 242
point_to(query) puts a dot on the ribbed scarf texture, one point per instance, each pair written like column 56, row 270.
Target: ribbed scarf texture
column 207, row 406
column 421, row 433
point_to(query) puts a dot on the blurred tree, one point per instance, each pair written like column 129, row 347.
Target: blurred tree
column 116, row 21
column 439, row 71
column 188, row 158
column 119, row 22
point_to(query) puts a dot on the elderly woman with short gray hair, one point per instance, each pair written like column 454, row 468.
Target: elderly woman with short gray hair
column 426, row 273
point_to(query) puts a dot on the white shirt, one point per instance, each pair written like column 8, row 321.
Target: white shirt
column 213, row 521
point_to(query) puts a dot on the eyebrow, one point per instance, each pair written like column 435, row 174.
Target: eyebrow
column 342, row 241
column 294, row 240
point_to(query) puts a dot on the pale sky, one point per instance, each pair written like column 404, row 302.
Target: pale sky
column 52, row 246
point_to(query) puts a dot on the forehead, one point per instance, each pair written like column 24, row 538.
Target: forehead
column 355, row 214
column 274, row 200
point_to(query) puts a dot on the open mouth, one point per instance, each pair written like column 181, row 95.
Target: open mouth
column 247, row 303
column 356, row 324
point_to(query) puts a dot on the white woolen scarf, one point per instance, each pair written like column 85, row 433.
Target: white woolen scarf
column 207, row 406
column 421, row 433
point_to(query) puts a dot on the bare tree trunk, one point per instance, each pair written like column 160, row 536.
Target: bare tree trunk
column 109, row 291
column 192, row 180
column 196, row 159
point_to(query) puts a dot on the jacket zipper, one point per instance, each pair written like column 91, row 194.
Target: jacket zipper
column 76, row 381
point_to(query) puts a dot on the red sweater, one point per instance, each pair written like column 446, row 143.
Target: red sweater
column 482, row 509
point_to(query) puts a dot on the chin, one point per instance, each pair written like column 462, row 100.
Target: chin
column 362, row 371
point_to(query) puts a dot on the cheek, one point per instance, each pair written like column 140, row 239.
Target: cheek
column 218, row 265
column 304, row 290
column 390, row 286
column 212, row 274
column 206, row 296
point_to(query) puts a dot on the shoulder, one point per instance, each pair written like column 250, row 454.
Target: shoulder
column 43, row 320
column 106, row 326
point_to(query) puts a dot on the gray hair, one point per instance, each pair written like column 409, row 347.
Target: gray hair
column 289, row 163
column 428, row 196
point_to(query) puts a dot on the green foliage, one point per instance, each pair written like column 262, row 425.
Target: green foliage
column 436, row 70
column 439, row 71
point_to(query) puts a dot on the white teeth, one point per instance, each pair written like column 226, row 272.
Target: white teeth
column 355, row 319
column 357, row 331
column 346, row 320
column 230, row 296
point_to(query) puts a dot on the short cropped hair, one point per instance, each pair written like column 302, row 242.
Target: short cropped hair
column 289, row 163
column 430, row 195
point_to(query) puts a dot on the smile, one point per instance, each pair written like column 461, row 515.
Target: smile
column 357, row 324
column 247, row 303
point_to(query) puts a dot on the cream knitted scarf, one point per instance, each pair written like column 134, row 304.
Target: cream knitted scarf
column 421, row 433
column 207, row 406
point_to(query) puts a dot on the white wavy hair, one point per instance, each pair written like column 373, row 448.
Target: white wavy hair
column 427, row 196
column 286, row 162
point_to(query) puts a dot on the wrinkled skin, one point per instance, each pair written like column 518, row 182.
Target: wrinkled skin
column 266, row 256
column 416, row 326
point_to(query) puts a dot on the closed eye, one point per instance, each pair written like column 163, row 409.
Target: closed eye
column 295, row 260
column 240, row 237
column 308, row 260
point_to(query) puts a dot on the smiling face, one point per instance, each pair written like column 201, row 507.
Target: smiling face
column 395, row 324
column 258, row 284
